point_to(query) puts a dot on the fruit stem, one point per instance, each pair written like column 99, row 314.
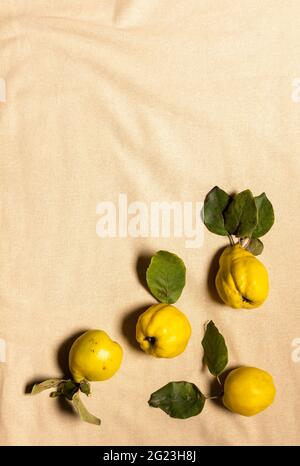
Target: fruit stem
column 231, row 240
column 214, row 397
column 244, row 242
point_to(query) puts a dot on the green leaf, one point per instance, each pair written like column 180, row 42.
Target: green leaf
column 215, row 204
column 241, row 215
column 84, row 414
column 166, row 277
column 265, row 215
column 55, row 394
column 40, row 387
column 215, row 349
column 69, row 388
column 255, row 246
column 178, row 399
column 85, row 387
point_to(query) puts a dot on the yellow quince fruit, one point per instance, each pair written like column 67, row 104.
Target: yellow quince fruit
column 94, row 356
column 163, row 331
column 242, row 280
column 248, row 391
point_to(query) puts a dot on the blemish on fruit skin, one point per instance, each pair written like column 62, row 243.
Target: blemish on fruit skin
column 104, row 368
column 92, row 341
column 247, row 300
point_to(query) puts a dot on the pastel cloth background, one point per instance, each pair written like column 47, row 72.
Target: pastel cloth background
column 160, row 100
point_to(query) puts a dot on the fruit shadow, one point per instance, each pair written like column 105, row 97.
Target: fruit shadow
column 63, row 363
column 128, row 325
column 29, row 385
column 61, row 402
column 63, row 353
column 216, row 390
column 142, row 263
column 211, row 277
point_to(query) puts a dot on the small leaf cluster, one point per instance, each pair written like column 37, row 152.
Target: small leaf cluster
column 70, row 391
column 241, row 215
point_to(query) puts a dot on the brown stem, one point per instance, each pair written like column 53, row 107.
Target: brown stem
column 231, row 240
column 245, row 242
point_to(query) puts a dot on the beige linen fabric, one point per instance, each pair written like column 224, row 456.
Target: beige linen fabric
column 160, row 100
